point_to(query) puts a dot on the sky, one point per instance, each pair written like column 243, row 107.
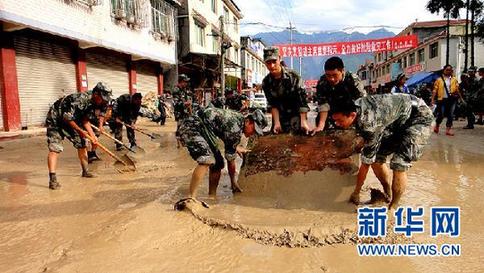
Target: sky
column 331, row 15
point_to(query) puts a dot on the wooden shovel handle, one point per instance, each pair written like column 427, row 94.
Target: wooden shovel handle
column 105, row 149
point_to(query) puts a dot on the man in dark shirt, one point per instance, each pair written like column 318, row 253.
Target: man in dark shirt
column 335, row 84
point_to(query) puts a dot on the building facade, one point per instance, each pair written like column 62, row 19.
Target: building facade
column 254, row 69
column 200, row 24
column 430, row 55
column 52, row 48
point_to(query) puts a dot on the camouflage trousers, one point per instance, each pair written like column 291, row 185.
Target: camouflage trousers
column 200, row 148
column 117, row 130
column 406, row 144
column 57, row 130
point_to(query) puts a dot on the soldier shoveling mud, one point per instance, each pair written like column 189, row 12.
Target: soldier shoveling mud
column 64, row 120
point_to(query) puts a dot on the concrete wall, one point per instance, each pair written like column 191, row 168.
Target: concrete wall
column 94, row 26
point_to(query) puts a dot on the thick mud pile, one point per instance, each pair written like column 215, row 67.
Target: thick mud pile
column 296, row 192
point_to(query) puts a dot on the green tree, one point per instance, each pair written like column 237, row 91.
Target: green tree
column 450, row 9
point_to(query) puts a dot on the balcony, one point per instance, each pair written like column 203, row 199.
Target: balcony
column 133, row 12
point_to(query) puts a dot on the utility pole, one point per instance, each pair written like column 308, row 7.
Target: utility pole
column 300, row 67
column 222, row 57
column 291, row 28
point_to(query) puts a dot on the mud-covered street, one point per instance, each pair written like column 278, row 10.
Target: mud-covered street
column 126, row 223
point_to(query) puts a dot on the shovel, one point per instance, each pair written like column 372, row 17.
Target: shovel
column 126, row 162
column 153, row 136
column 114, row 139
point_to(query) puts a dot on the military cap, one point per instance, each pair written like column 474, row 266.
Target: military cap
column 271, row 53
column 259, row 119
column 183, row 77
column 103, row 90
column 472, row 69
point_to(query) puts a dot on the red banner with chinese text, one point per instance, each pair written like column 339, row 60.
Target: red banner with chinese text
column 345, row 48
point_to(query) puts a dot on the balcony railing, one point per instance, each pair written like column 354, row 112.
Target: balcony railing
column 134, row 12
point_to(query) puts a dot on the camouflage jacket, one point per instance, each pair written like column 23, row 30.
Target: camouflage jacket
column 78, row 107
column 470, row 93
column 180, row 96
column 234, row 102
column 350, row 88
column 125, row 110
column 285, row 94
column 226, row 125
column 381, row 115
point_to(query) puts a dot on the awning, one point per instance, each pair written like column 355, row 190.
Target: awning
column 421, row 77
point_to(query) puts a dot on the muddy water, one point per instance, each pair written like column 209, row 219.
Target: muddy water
column 125, row 222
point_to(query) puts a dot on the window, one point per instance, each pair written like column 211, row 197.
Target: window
column 199, row 35
column 236, row 24
column 214, row 6
column 434, row 50
column 404, row 62
column 236, row 59
column 363, row 75
column 388, row 69
column 421, row 55
column 411, row 60
column 226, row 17
column 162, row 16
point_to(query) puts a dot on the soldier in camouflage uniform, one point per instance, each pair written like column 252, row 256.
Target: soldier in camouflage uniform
column 398, row 124
column 125, row 110
column 470, row 97
column 335, row 84
column 199, row 133
column 237, row 102
column 69, row 118
column 285, row 97
column 184, row 102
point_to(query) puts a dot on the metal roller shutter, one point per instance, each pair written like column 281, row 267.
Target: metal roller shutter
column 109, row 69
column 146, row 77
column 45, row 73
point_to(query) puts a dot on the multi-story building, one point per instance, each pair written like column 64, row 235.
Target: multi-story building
column 429, row 55
column 200, row 42
column 51, row 48
column 252, row 54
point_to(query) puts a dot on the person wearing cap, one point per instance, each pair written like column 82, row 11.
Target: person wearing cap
column 390, row 124
column 183, row 101
column 237, row 102
column 335, row 84
column 125, row 111
column 69, row 118
column 199, row 133
column 286, row 99
column 400, row 86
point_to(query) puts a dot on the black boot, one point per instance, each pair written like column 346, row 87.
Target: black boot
column 53, row 184
column 87, row 174
column 92, row 156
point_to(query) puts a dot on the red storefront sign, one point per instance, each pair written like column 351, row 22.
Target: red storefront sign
column 414, row 68
column 345, row 48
